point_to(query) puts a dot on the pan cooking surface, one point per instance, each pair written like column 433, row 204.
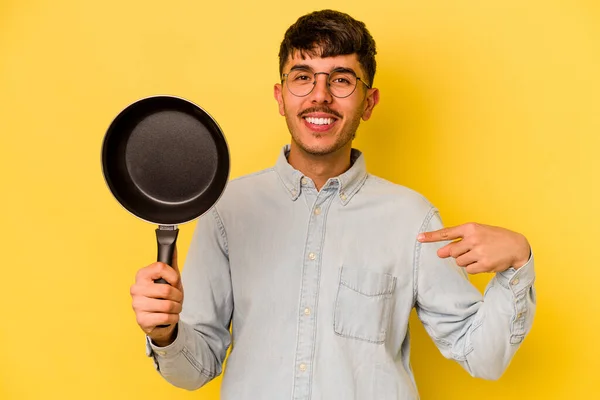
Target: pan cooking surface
column 165, row 160
column 171, row 157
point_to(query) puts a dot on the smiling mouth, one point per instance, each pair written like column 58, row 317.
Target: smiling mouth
column 319, row 121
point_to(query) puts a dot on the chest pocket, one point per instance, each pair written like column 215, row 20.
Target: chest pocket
column 363, row 304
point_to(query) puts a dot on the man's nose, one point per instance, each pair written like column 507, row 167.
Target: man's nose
column 321, row 93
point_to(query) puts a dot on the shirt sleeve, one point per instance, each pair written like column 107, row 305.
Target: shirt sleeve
column 203, row 337
column 482, row 333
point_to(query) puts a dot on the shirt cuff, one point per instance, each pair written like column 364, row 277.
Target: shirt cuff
column 518, row 280
column 169, row 351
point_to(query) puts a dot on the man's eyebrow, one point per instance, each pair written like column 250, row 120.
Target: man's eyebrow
column 303, row 67
column 344, row 69
column 306, row 67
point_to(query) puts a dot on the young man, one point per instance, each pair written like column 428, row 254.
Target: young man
column 316, row 264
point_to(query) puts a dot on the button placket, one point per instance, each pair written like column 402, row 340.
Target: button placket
column 311, row 271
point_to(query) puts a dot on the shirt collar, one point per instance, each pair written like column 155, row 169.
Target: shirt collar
column 347, row 183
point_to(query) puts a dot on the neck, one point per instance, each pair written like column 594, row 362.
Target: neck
column 320, row 168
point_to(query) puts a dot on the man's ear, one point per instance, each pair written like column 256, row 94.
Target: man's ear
column 372, row 101
column 277, row 93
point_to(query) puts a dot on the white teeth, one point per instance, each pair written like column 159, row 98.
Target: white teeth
column 319, row 121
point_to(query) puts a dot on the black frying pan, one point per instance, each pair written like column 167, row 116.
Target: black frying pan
column 167, row 162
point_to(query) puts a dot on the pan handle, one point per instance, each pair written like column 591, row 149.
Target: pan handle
column 166, row 238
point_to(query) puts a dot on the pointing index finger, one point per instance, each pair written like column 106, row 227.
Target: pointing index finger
column 450, row 233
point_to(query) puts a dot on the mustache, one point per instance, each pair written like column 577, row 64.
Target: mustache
column 323, row 109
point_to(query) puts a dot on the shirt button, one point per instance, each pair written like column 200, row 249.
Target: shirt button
column 519, row 315
column 294, row 192
column 307, row 311
column 304, row 181
column 312, row 256
column 302, row 367
column 317, row 210
column 343, row 196
column 161, row 353
column 515, row 281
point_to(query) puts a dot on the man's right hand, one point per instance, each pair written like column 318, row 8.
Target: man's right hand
column 158, row 304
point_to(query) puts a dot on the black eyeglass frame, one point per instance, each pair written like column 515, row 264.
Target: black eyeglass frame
column 358, row 78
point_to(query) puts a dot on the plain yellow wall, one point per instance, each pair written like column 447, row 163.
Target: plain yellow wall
column 490, row 108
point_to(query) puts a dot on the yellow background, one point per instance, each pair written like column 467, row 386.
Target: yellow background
column 488, row 107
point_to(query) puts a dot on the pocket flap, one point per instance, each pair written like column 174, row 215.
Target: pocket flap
column 366, row 282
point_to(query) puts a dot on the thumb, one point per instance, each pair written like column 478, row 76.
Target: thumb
column 444, row 252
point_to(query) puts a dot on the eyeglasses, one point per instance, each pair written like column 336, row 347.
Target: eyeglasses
column 341, row 82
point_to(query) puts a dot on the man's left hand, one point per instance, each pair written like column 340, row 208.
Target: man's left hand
column 481, row 248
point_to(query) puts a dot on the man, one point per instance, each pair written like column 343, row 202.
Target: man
column 316, row 264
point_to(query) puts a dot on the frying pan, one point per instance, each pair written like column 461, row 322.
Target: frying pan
column 166, row 161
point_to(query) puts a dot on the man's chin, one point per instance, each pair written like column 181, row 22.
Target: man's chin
column 319, row 149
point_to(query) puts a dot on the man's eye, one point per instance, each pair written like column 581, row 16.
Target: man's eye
column 302, row 77
column 342, row 81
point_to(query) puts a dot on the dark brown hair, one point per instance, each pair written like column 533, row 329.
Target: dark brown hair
column 329, row 33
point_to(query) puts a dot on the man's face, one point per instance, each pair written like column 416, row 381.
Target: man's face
column 320, row 123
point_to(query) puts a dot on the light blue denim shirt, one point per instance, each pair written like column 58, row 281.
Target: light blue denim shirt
column 318, row 286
